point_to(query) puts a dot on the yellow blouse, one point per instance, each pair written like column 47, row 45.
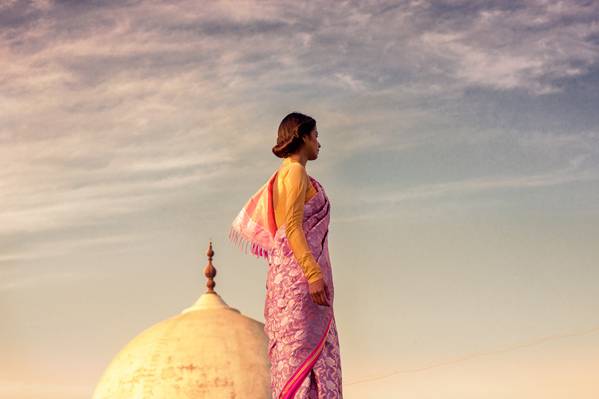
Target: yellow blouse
column 293, row 190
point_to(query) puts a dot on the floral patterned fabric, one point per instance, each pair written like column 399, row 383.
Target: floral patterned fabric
column 303, row 341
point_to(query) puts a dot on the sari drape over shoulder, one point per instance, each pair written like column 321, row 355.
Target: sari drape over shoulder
column 303, row 341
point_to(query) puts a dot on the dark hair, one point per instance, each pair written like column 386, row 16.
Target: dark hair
column 292, row 130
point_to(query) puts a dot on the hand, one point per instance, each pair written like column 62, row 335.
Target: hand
column 319, row 292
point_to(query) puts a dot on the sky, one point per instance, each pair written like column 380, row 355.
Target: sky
column 460, row 154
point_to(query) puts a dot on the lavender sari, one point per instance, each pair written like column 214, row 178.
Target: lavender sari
column 303, row 341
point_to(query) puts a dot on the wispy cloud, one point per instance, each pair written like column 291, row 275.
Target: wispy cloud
column 468, row 186
column 109, row 110
column 57, row 247
column 529, row 46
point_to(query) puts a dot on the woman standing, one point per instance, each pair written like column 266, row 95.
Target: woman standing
column 286, row 221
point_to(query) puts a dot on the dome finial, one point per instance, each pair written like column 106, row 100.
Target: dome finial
column 209, row 270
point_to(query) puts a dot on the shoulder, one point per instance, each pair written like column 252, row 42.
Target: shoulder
column 296, row 172
column 295, row 169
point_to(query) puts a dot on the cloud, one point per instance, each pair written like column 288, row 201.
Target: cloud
column 351, row 82
column 117, row 108
column 435, row 200
column 531, row 46
column 482, row 184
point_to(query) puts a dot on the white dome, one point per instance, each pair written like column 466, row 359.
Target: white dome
column 209, row 350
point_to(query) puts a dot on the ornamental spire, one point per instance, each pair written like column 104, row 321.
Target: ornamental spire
column 209, row 270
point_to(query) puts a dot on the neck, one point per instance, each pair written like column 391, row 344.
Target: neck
column 301, row 158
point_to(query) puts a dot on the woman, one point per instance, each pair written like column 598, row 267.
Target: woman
column 286, row 221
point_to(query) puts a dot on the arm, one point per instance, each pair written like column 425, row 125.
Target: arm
column 296, row 185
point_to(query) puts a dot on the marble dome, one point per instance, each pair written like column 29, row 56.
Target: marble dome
column 208, row 350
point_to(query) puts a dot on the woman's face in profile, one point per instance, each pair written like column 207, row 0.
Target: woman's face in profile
column 312, row 145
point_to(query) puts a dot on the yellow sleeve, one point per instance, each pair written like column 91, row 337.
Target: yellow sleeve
column 296, row 185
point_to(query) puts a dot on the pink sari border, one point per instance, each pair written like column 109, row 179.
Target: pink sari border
column 293, row 384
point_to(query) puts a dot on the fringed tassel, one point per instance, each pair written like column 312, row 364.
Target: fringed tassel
column 236, row 239
column 244, row 244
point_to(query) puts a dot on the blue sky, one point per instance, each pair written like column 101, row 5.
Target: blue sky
column 460, row 152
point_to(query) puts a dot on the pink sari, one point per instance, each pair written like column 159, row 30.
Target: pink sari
column 303, row 342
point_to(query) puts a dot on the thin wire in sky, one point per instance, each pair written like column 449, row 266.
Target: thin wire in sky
column 460, row 359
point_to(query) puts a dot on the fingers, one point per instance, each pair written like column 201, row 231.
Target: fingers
column 321, row 298
column 317, row 297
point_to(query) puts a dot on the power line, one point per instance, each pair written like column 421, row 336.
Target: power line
column 533, row 342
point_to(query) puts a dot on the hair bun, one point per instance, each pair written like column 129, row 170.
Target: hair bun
column 292, row 129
